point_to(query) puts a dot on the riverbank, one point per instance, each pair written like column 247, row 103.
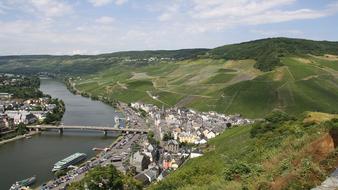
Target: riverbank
column 80, row 172
column 31, row 133
column 107, row 100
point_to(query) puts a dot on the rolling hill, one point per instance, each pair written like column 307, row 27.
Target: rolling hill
column 251, row 78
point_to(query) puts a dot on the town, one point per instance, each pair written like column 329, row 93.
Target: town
column 175, row 135
column 18, row 108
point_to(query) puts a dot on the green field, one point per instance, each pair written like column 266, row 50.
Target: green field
column 251, row 78
column 301, row 84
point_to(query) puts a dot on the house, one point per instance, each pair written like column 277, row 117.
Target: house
column 30, row 118
column 166, row 161
column 202, row 141
column 196, row 153
column 5, row 95
column 163, row 175
column 172, row 146
column 2, row 124
column 187, row 137
column 148, row 176
column 210, row 135
column 140, row 161
column 176, row 132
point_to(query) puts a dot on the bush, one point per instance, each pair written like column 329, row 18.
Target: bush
column 277, row 117
column 240, row 169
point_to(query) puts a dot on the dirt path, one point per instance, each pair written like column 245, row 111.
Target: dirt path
column 156, row 99
column 232, row 99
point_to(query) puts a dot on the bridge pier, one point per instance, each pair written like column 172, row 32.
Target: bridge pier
column 60, row 131
column 105, row 132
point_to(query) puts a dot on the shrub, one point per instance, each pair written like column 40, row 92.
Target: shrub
column 240, row 169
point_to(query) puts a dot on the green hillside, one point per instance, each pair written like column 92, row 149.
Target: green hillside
column 251, row 78
column 279, row 153
column 301, row 84
column 268, row 52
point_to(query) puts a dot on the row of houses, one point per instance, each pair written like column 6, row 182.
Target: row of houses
column 14, row 112
column 189, row 126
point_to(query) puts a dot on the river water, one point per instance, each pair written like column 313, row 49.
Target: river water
column 28, row 157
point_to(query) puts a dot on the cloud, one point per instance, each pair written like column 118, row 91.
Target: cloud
column 51, row 8
column 3, row 8
column 105, row 20
column 120, row 2
column 99, row 3
column 278, row 33
column 216, row 15
column 170, row 13
column 233, row 8
column 65, row 27
column 79, row 52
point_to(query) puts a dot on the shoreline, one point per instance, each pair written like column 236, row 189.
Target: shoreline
column 95, row 156
column 32, row 133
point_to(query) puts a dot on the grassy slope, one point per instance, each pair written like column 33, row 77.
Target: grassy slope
column 303, row 83
column 293, row 80
column 293, row 156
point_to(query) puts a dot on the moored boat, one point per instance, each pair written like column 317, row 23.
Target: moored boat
column 23, row 183
column 70, row 160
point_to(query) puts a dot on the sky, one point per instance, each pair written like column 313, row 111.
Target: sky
column 102, row 26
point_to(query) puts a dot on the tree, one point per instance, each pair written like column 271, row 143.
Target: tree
column 21, row 129
column 167, row 136
column 102, row 178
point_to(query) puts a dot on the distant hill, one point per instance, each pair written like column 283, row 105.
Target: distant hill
column 250, row 78
column 86, row 64
column 268, row 52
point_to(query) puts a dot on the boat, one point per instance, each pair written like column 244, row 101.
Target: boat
column 23, row 183
column 70, row 160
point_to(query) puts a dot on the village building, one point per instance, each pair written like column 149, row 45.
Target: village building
column 172, row 146
column 140, row 161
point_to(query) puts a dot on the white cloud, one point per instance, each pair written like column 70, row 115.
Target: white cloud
column 164, row 24
column 3, row 8
column 278, row 33
column 79, row 52
column 170, row 13
column 216, row 15
column 99, row 3
column 105, row 20
column 233, row 8
column 51, row 8
column 120, row 2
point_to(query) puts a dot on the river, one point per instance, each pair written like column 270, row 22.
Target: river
column 28, row 157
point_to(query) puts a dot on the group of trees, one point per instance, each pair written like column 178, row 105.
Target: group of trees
column 26, row 87
column 268, row 52
column 56, row 115
column 107, row 177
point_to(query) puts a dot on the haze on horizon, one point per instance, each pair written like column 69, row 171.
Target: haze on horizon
column 103, row 26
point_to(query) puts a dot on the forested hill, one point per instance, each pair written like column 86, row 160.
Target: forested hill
column 87, row 64
column 267, row 52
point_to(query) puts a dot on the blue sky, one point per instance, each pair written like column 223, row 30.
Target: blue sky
column 101, row 26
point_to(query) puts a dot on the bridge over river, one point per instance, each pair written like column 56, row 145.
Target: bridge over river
column 61, row 128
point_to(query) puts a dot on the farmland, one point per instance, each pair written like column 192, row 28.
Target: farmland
column 233, row 86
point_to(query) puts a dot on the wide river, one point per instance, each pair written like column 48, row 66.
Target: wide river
column 28, row 157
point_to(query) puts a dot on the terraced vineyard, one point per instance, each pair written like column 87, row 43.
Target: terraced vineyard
column 235, row 86
column 250, row 78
